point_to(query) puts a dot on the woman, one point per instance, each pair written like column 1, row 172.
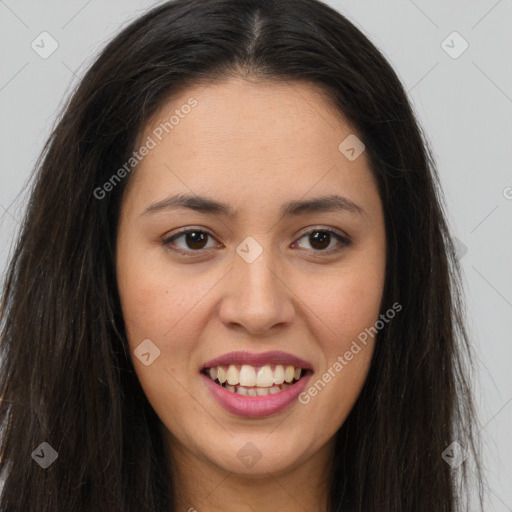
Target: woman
column 235, row 288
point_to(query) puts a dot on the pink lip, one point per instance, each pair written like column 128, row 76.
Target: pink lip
column 255, row 406
column 273, row 357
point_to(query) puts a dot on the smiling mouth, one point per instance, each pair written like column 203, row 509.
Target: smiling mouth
column 252, row 381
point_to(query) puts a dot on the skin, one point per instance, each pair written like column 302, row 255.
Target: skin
column 253, row 146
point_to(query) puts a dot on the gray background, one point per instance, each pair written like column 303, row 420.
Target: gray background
column 464, row 105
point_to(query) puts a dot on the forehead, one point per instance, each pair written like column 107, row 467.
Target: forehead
column 240, row 137
column 236, row 113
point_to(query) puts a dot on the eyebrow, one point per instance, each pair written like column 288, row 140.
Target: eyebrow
column 292, row 208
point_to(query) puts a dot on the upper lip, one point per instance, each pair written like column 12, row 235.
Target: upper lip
column 253, row 359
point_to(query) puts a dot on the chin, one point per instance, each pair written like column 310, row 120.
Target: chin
column 257, row 455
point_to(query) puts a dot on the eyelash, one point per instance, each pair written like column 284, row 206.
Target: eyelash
column 344, row 241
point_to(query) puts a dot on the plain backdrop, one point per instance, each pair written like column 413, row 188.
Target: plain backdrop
column 460, row 85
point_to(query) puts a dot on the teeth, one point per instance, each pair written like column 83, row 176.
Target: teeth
column 242, row 391
column 289, row 373
column 233, row 375
column 247, row 380
column 247, row 376
column 279, row 374
column 221, row 374
column 265, row 377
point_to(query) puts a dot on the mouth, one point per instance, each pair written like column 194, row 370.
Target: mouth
column 255, row 381
column 256, row 385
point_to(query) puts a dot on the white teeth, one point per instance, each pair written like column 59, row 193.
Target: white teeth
column 240, row 390
column 289, row 373
column 247, row 376
column 233, row 375
column 255, row 391
column 247, row 380
column 265, row 377
column 279, row 374
column 221, row 374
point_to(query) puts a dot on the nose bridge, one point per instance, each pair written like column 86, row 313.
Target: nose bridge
column 258, row 279
column 257, row 298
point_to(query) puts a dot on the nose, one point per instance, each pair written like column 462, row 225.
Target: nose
column 257, row 297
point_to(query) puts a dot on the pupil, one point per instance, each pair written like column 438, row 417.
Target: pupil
column 319, row 236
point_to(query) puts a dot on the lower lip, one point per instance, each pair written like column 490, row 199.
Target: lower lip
column 255, row 406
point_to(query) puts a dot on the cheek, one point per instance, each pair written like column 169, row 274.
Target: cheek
column 156, row 306
column 349, row 309
column 153, row 298
column 167, row 306
column 347, row 303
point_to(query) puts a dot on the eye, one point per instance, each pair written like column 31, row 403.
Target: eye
column 195, row 241
column 192, row 238
column 320, row 239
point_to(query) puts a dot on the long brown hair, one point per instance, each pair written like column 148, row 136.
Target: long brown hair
column 66, row 377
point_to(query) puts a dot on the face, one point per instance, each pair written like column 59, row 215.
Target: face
column 260, row 276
